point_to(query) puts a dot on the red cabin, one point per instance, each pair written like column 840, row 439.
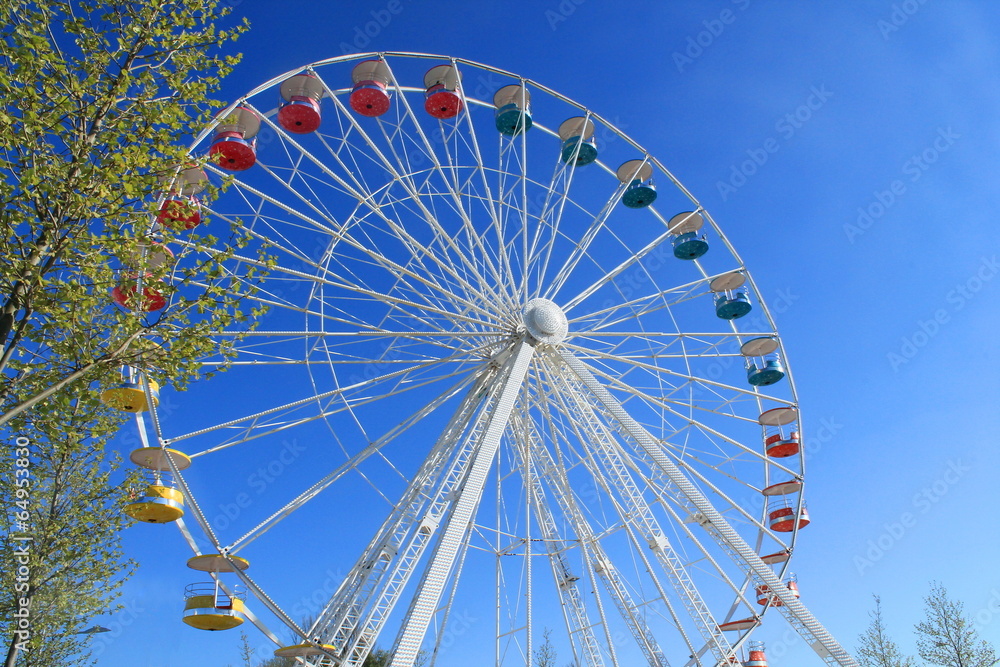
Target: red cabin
column 764, row 594
column 781, row 433
column 444, row 99
column 793, row 585
column 124, row 294
column 782, row 518
column 779, row 445
column 234, row 147
column 179, row 212
column 300, row 112
column 370, row 96
column 180, row 209
column 757, row 657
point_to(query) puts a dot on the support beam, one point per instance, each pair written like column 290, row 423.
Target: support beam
column 442, row 561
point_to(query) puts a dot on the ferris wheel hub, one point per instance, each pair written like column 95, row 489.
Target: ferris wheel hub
column 545, row 321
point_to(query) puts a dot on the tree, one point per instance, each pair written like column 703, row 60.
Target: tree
column 246, row 651
column 277, row 662
column 876, row 648
column 378, row 657
column 106, row 91
column 99, row 98
column 545, row 655
column 947, row 637
column 74, row 564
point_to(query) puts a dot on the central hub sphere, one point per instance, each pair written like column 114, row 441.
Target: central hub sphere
column 545, row 321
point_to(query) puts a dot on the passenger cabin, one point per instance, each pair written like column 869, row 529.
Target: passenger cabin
column 764, row 367
column 782, row 516
column 370, row 95
column 443, row 99
column 781, row 431
column 160, row 501
column 181, row 208
column 637, row 175
column 578, row 145
column 209, row 605
column 300, row 107
column 513, row 109
column 234, row 147
column 126, row 292
column 130, row 396
column 684, row 228
column 757, row 657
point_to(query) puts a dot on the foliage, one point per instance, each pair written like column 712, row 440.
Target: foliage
column 75, row 561
column 947, row 637
column 100, row 96
column 545, row 655
column 277, row 662
column 246, row 651
column 379, row 657
column 876, row 648
column 99, row 99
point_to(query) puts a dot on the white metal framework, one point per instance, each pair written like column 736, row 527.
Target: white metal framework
column 499, row 402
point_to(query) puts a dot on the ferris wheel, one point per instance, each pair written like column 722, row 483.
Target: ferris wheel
column 512, row 380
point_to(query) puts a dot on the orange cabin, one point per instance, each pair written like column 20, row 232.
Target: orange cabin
column 782, row 519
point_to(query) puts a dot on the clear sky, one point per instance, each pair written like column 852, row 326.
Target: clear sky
column 849, row 151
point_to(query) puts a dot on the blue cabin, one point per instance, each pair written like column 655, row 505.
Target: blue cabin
column 731, row 299
column 637, row 175
column 578, row 145
column 733, row 304
column 766, row 371
column 763, row 364
column 513, row 109
column 684, row 227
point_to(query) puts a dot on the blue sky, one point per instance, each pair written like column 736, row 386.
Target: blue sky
column 848, row 150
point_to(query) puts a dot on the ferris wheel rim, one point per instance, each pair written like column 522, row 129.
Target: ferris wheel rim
column 647, row 156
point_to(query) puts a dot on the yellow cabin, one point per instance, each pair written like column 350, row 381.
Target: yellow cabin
column 130, row 396
column 208, row 607
column 159, row 504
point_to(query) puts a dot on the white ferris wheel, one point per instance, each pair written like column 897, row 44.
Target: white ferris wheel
column 512, row 372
